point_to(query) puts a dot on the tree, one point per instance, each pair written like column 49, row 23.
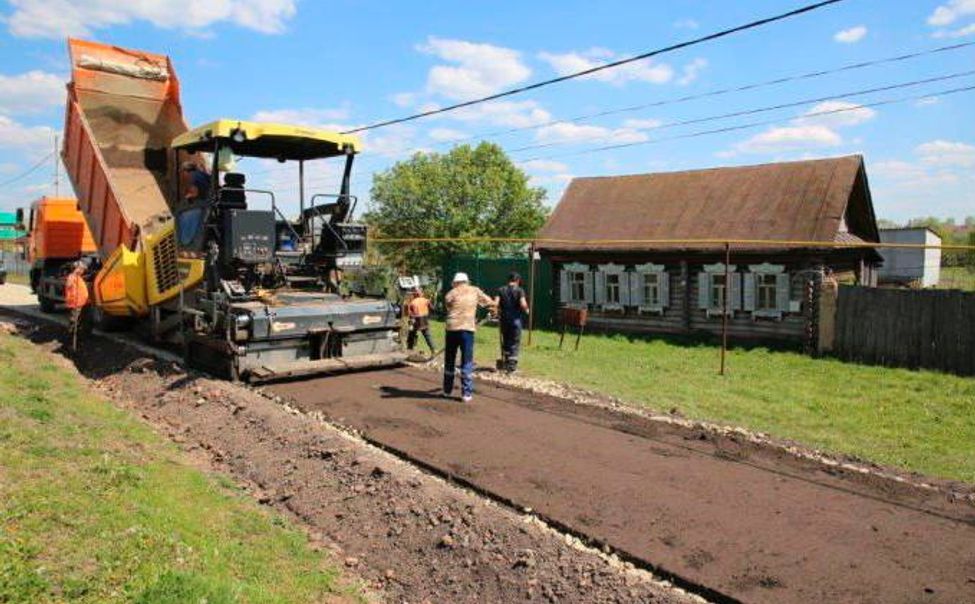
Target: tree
column 468, row 192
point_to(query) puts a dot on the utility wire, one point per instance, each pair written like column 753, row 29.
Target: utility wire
column 28, row 171
column 592, row 70
column 721, row 91
column 323, row 179
column 768, row 108
column 694, row 97
column 754, row 124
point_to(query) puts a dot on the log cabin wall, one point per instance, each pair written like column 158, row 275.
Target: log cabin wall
column 683, row 314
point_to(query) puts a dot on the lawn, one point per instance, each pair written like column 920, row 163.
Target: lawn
column 957, row 277
column 95, row 507
column 917, row 420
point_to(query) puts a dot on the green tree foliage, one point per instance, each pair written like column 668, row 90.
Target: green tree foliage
column 468, row 192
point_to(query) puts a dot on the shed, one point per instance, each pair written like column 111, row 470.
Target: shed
column 911, row 266
column 644, row 252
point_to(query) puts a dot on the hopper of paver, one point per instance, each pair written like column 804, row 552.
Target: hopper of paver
column 123, row 110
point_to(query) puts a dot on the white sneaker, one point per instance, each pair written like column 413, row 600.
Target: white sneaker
column 467, row 399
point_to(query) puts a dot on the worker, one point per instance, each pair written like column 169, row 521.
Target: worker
column 462, row 302
column 196, row 182
column 419, row 313
column 76, row 298
column 512, row 309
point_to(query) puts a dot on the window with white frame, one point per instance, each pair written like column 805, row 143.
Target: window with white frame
column 649, row 288
column 612, row 287
column 767, row 290
column 715, row 284
column 575, row 285
column 719, row 287
column 765, row 285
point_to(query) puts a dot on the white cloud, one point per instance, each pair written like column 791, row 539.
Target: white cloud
column 317, row 117
column 443, row 135
column 947, row 153
column 14, row 135
column 639, row 71
column 642, row 124
column 941, row 176
column 948, row 13
column 790, row 138
column 927, row 101
column 569, row 133
column 479, row 70
column 556, row 183
column 404, row 99
column 393, row 141
column 955, row 33
column 31, row 91
column 836, row 114
column 511, row 114
column 686, row 24
column 691, row 70
column 543, row 165
column 851, row 35
column 60, row 18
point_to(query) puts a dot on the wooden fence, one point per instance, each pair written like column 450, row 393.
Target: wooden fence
column 907, row 328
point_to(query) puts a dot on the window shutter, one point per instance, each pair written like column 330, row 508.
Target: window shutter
column 664, row 278
column 564, row 291
column 600, row 287
column 734, row 303
column 782, row 292
column 587, row 287
column 625, row 288
column 749, row 291
column 636, row 289
column 703, row 290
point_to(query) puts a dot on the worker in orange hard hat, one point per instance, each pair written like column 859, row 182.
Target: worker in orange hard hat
column 76, row 299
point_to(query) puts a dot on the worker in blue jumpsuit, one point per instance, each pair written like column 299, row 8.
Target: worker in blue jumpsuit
column 513, row 310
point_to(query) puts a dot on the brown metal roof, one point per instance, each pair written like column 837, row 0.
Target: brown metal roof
column 795, row 201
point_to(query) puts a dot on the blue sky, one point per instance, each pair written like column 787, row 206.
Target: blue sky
column 345, row 63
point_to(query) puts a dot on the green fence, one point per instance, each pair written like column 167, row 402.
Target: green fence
column 491, row 273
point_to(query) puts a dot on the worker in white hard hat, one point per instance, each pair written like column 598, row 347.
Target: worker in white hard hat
column 462, row 302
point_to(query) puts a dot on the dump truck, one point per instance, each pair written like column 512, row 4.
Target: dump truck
column 57, row 237
column 245, row 290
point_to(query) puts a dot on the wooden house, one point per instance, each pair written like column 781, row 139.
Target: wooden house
column 645, row 252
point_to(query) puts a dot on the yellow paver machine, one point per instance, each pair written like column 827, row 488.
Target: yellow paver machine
column 195, row 257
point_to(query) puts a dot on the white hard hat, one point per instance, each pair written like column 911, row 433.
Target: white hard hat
column 461, row 278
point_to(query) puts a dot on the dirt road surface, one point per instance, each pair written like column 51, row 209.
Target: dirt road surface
column 409, row 536
column 754, row 525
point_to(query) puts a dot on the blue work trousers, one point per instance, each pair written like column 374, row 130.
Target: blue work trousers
column 463, row 341
column 510, row 342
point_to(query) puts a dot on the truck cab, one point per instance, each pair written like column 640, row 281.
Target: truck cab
column 57, row 236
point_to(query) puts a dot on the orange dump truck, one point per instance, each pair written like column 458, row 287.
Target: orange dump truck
column 58, row 236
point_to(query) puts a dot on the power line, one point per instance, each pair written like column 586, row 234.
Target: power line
column 754, row 124
column 28, row 171
column 772, row 107
column 722, row 91
column 694, row 97
column 592, row 70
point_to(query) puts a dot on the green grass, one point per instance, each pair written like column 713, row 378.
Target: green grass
column 94, row 507
column 957, row 277
column 917, row 420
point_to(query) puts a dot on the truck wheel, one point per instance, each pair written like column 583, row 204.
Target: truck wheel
column 47, row 304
